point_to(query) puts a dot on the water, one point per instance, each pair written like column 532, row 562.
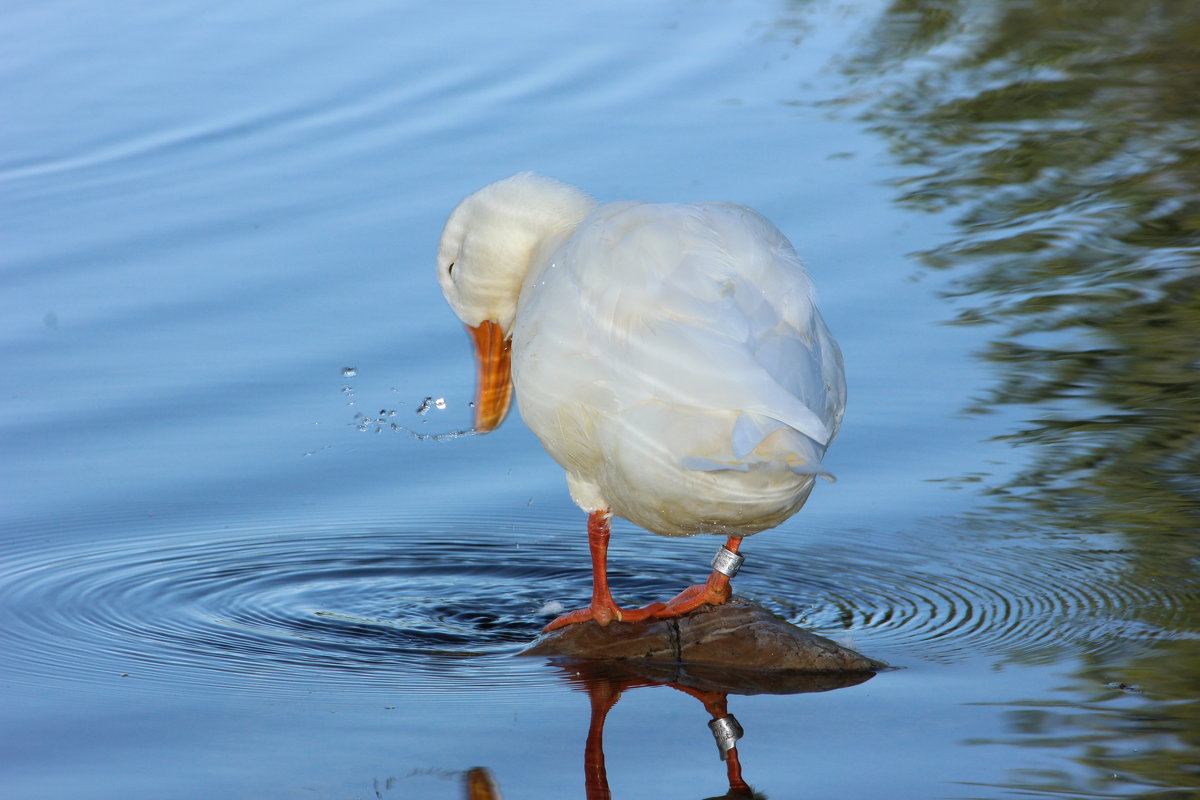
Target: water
column 247, row 551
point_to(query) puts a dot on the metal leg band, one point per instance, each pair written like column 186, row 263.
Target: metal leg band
column 727, row 562
column 726, row 731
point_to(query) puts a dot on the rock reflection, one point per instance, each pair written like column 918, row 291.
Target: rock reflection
column 1066, row 138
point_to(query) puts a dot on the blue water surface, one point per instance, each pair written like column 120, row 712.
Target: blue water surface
column 236, row 561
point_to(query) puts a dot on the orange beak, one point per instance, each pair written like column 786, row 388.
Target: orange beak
column 493, row 387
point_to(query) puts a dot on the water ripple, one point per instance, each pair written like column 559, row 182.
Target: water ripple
column 277, row 609
column 947, row 594
column 445, row 601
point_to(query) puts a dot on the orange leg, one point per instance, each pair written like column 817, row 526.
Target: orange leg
column 603, row 608
column 714, row 591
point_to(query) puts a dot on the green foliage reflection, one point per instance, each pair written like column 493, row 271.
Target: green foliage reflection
column 1066, row 138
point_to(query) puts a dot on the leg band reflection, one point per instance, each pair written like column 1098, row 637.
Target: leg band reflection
column 726, row 731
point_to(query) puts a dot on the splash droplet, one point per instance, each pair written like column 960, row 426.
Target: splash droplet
column 349, row 372
column 551, row 607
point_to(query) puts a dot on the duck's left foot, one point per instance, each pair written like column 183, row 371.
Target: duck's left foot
column 603, row 613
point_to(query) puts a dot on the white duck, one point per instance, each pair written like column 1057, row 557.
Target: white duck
column 668, row 356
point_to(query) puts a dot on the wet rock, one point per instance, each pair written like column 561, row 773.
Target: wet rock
column 739, row 635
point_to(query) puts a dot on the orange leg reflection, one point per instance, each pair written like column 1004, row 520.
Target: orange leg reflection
column 717, row 704
column 603, row 693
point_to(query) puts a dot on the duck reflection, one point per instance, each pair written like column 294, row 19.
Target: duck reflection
column 605, row 683
column 481, row 785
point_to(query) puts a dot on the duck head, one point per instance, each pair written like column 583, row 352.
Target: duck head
column 488, row 246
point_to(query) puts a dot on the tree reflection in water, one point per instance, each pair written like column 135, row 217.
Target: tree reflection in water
column 1066, row 138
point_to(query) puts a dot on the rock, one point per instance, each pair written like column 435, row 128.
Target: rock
column 710, row 642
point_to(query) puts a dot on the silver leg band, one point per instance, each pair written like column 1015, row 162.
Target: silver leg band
column 726, row 731
column 727, row 562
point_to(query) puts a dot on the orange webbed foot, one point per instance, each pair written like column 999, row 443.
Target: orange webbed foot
column 604, row 613
column 713, row 593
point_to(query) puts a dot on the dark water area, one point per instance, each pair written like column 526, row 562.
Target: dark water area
column 240, row 557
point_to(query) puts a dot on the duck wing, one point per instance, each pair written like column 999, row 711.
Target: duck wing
column 706, row 306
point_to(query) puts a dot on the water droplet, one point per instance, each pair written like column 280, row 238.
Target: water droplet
column 440, row 403
column 349, row 372
column 423, row 409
